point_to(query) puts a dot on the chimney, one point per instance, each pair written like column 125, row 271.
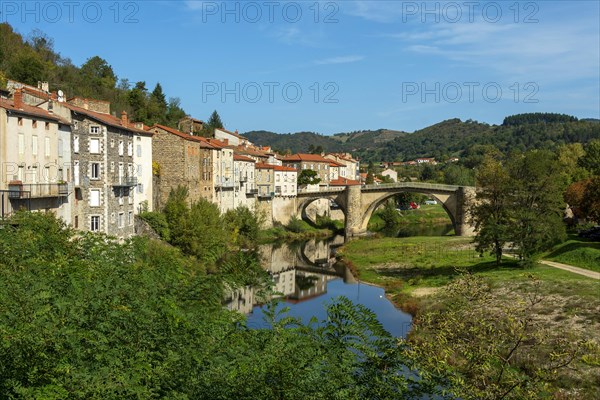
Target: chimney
column 18, row 98
column 45, row 87
column 226, row 141
column 50, row 106
column 124, row 118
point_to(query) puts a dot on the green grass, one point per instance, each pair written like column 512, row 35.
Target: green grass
column 577, row 252
column 402, row 265
column 427, row 214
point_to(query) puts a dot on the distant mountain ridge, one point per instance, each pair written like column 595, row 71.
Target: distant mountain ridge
column 300, row 142
column 442, row 140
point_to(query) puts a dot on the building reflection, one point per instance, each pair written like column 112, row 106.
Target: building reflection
column 300, row 271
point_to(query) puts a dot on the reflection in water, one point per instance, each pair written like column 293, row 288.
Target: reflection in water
column 305, row 275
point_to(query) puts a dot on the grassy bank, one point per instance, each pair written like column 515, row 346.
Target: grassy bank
column 426, row 214
column 578, row 252
column 416, row 271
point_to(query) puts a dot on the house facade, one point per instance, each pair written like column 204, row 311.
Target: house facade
column 314, row 162
column 182, row 160
column 34, row 169
column 244, row 180
column 102, row 148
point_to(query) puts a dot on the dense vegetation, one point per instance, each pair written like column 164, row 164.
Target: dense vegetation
column 85, row 317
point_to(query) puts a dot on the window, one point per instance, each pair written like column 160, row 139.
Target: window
column 47, row 126
column 112, row 167
column 120, row 196
column 94, row 145
column 95, row 198
column 34, row 145
column 139, row 150
column 94, row 129
column 95, row 171
column 130, row 195
column 20, row 121
column 140, row 188
column 76, row 144
column 139, row 170
column 34, row 124
column 46, row 177
column 21, row 143
column 76, row 172
column 112, row 218
column 47, row 147
column 120, row 147
column 130, row 149
column 76, row 124
column 21, row 173
column 60, row 148
column 94, row 223
column 130, row 218
column 112, row 143
column 76, row 223
column 121, row 220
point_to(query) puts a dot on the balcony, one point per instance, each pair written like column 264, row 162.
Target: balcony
column 124, row 181
column 243, row 178
column 19, row 190
column 266, row 195
column 224, row 185
column 251, row 192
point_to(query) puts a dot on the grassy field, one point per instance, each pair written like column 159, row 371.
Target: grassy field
column 427, row 214
column 578, row 252
column 415, row 270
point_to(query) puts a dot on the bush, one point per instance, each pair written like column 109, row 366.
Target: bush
column 158, row 222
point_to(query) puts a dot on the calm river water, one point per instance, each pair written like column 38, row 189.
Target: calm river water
column 306, row 279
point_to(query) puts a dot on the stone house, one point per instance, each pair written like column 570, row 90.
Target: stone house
column 223, row 170
column 102, row 148
column 314, row 162
column 183, row 160
column 352, row 165
column 265, row 180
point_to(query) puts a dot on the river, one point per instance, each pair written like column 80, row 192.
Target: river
column 306, row 278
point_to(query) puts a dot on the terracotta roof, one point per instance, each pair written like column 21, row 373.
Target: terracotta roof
column 343, row 182
column 107, row 119
column 32, row 111
column 264, row 166
column 335, row 164
column 237, row 157
column 283, row 168
column 306, row 157
column 203, row 141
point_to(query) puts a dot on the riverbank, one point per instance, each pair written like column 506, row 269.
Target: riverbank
column 416, row 272
column 576, row 251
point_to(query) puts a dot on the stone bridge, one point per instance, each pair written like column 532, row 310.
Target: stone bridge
column 359, row 202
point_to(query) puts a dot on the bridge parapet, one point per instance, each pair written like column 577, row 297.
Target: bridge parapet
column 413, row 185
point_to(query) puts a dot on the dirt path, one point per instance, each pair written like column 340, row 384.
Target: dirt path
column 570, row 268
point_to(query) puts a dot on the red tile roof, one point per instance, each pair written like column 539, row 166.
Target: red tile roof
column 237, row 157
column 284, row 168
column 203, row 141
column 335, row 164
column 306, row 157
column 264, row 166
column 107, row 119
column 32, row 111
column 343, row 182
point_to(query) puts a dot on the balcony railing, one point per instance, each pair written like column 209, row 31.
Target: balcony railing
column 224, row 185
column 37, row 190
column 243, row 178
column 125, row 181
column 267, row 195
column 251, row 192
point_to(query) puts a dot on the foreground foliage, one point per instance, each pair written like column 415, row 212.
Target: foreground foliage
column 85, row 317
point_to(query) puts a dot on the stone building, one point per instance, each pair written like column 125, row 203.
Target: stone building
column 183, row 160
column 314, row 162
column 103, row 168
column 352, row 165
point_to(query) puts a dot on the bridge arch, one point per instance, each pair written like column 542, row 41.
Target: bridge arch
column 303, row 202
column 440, row 198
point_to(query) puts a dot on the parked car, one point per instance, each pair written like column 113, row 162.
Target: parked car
column 430, row 202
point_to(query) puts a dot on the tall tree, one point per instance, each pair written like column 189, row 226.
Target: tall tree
column 490, row 214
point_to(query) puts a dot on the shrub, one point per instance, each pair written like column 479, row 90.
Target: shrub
column 158, row 222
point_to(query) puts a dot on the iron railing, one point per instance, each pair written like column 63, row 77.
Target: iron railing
column 37, row 190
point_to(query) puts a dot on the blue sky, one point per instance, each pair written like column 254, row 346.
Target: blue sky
column 339, row 66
